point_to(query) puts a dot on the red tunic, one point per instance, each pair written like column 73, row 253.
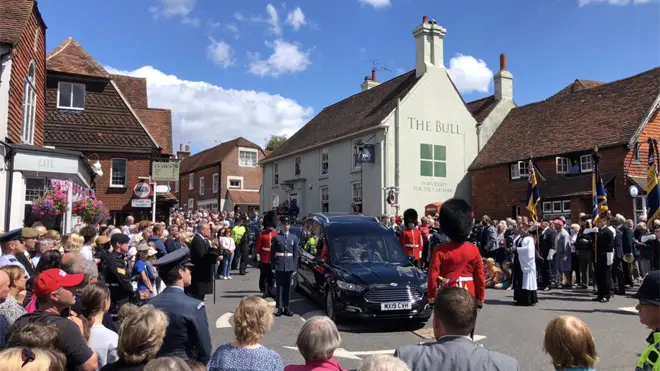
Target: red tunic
column 411, row 242
column 263, row 245
column 461, row 266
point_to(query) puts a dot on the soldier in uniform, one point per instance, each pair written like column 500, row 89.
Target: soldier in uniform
column 187, row 335
column 604, row 258
column 263, row 251
column 284, row 255
column 117, row 274
column 411, row 240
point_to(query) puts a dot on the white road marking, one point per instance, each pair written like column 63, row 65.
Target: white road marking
column 478, row 337
column 629, row 309
column 373, row 352
column 223, row 320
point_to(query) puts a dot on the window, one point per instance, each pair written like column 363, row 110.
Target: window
column 276, row 174
column 297, row 165
column 324, row 162
column 34, row 188
column 118, row 172
column 275, row 202
column 191, row 203
column 216, row 181
column 325, row 199
column 586, row 165
column 636, row 152
column 235, row 182
column 357, row 145
column 71, row 96
column 356, row 194
column 191, row 181
column 547, row 207
column 562, row 165
column 29, row 104
column 201, row 185
column 433, row 160
column 566, row 206
column 556, row 206
column 520, row 170
column 247, row 158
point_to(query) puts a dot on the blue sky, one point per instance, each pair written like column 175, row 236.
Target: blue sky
column 255, row 68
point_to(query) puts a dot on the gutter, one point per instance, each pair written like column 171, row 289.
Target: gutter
column 397, row 173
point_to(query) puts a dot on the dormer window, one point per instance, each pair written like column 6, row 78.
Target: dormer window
column 520, row 170
column 71, row 96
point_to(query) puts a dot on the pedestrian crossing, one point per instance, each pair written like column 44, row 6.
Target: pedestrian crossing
column 628, row 309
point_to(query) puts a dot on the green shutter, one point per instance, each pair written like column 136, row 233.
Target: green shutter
column 426, row 151
column 440, row 153
column 440, row 169
column 426, row 168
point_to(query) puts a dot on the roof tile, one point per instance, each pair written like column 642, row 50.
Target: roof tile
column 14, row 15
column 481, row 108
column 159, row 124
column 70, row 57
column 214, row 154
column 133, row 88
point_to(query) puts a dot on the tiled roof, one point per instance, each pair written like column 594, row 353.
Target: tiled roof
column 566, row 186
column 358, row 112
column 480, row 108
column 159, row 124
column 134, row 89
column 14, row 15
column 70, row 57
column 213, row 155
column 243, row 197
column 577, row 85
column 602, row 116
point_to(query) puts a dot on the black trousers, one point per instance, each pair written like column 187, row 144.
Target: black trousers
column 618, row 278
column 241, row 255
column 283, row 281
column 603, row 278
column 265, row 278
column 546, row 272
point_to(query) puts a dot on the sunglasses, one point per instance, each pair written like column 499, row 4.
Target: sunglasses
column 27, row 356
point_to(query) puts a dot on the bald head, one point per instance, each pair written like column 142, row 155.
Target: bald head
column 4, row 286
column 73, row 262
column 41, row 230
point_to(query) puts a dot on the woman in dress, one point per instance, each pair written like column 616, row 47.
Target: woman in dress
column 524, row 284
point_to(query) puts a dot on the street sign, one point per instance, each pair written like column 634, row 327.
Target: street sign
column 136, row 202
column 142, row 190
column 165, row 171
column 163, row 188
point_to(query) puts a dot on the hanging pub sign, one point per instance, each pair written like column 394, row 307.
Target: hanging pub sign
column 364, row 153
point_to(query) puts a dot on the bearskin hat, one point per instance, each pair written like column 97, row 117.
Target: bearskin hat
column 456, row 219
column 410, row 216
column 270, row 219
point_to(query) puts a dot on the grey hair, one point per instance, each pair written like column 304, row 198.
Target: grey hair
column 77, row 228
column 167, row 363
column 619, row 219
column 114, row 231
column 90, row 270
column 201, row 226
column 318, row 339
column 383, row 362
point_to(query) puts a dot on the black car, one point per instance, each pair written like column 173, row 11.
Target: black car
column 359, row 270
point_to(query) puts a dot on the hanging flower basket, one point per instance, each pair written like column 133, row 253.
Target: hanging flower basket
column 52, row 203
column 90, row 210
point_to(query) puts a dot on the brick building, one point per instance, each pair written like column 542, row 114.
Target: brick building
column 30, row 167
column 107, row 118
column 221, row 177
column 560, row 133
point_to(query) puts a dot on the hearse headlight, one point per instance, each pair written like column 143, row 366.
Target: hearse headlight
column 424, row 285
column 350, row 286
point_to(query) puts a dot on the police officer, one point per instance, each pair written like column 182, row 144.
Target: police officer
column 649, row 314
column 187, row 335
column 117, row 274
column 284, row 255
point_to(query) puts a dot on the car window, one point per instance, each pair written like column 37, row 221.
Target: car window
column 352, row 245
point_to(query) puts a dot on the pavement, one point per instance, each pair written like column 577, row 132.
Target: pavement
column 501, row 326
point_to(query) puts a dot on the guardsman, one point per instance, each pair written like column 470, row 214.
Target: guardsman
column 187, row 335
column 118, row 276
column 649, row 315
column 263, row 251
column 410, row 239
column 284, row 255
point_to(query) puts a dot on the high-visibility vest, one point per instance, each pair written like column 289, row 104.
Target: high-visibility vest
column 237, row 234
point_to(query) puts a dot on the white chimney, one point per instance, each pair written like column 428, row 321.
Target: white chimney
column 503, row 81
column 370, row 82
column 429, row 46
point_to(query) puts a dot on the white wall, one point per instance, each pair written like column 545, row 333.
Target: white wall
column 493, row 120
column 17, row 201
column 5, row 75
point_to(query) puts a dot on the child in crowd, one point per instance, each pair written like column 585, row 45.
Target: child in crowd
column 505, row 276
column 569, row 342
column 492, row 273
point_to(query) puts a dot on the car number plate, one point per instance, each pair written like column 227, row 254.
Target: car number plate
column 396, row 306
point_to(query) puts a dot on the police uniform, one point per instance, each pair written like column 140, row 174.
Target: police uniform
column 284, row 255
column 187, row 335
column 263, row 248
column 19, row 260
column 649, row 294
column 117, row 275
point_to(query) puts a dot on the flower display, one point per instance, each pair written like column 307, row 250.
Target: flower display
column 90, row 210
column 52, row 203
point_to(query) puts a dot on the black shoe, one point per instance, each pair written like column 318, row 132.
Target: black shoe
column 546, row 289
column 218, row 277
column 605, row 300
column 279, row 312
column 597, row 298
column 288, row 312
column 264, row 295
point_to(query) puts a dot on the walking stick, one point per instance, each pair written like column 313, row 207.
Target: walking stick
column 213, row 275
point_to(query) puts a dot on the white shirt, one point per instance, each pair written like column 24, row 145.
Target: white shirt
column 86, row 251
column 104, row 343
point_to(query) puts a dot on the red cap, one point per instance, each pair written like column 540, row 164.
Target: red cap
column 53, row 279
column 558, row 221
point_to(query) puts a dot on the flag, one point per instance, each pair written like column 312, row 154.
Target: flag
column 652, row 189
column 597, row 188
column 533, row 196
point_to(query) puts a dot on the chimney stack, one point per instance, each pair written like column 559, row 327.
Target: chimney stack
column 373, row 74
column 428, row 46
column 503, row 81
column 181, row 154
column 369, row 82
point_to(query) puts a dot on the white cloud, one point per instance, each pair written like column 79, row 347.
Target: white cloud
column 176, row 8
column 239, row 16
column 233, row 29
column 273, row 20
column 296, row 18
column 286, row 58
column 220, row 53
column 582, row 3
column 202, row 112
column 376, row 3
column 470, row 74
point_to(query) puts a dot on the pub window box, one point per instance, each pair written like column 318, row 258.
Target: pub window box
column 71, row 96
column 520, row 170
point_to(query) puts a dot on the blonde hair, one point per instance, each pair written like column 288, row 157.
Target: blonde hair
column 252, row 320
column 12, row 359
column 576, row 228
column 569, row 343
column 73, row 242
column 383, row 362
column 141, row 335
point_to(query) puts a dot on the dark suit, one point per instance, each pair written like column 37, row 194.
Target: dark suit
column 605, row 244
column 456, row 353
column 547, row 243
column 187, row 335
column 171, row 245
column 284, row 255
column 627, row 247
column 203, row 257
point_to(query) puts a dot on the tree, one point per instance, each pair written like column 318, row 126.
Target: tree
column 274, row 142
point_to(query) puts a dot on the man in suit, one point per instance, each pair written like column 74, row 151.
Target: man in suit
column 454, row 318
column 187, row 335
column 203, row 257
column 604, row 258
column 623, row 244
column 547, row 243
column 284, row 255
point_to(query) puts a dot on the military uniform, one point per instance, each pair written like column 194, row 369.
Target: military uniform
column 649, row 294
column 187, row 335
column 410, row 239
column 118, row 276
column 263, row 248
column 284, row 255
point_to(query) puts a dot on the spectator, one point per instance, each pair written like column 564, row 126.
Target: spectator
column 72, row 243
column 95, row 303
column 126, row 311
column 455, row 316
column 36, row 335
column 89, row 235
column 155, row 237
column 383, row 363
column 167, row 364
column 570, row 344
column 252, row 320
column 50, row 259
column 24, row 359
column 317, row 341
column 4, row 292
column 12, row 308
column 140, row 337
column 196, row 366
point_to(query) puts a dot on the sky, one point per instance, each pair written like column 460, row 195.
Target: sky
column 252, row 68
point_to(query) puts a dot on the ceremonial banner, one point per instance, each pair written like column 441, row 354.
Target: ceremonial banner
column 533, row 195
column 652, row 189
column 597, row 188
